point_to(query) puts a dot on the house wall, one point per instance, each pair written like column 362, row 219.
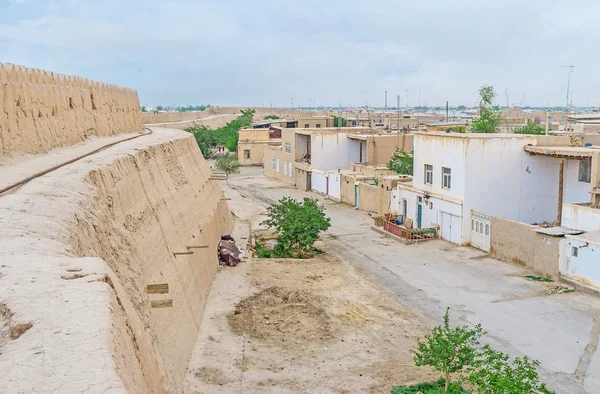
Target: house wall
column 585, row 265
column 41, row 110
column 519, row 243
column 331, row 150
column 370, row 170
column 368, row 197
column 310, row 123
column 257, row 153
column 581, row 217
column 302, row 177
column 318, row 182
column 280, row 158
column 380, row 148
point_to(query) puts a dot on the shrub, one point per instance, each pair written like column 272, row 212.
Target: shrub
column 431, row 388
column 298, row 224
column 531, row 128
column 229, row 164
column 401, row 162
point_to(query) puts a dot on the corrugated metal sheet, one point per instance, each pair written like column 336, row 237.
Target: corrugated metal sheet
column 558, row 231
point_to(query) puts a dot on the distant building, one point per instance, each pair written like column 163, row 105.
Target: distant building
column 456, row 127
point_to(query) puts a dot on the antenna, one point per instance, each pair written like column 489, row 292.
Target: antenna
column 570, row 67
column 386, row 99
column 506, row 92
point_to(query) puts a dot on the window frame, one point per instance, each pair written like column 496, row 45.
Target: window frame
column 290, row 169
column 446, row 177
column 587, row 177
column 285, row 167
column 574, row 251
column 273, row 164
column 247, row 154
column 427, row 172
column 288, row 147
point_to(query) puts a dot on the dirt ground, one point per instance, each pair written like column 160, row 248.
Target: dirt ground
column 301, row 326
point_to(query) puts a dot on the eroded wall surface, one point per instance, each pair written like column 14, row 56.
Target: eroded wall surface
column 41, row 110
column 79, row 247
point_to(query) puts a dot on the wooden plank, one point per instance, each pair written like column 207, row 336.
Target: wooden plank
column 161, row 288
column 161, row 304
column 197, row 246
column 180, row 253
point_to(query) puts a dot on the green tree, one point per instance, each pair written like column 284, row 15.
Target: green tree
column 143, row 108
column 160, row 108
column 531, row 128
column 342, row 122
column 298, row 224
column 401, row 162
column 461, row 108
column 489, row 115
column 449, row 350
column 229, row 164
column 493, row 373
column 271, row 117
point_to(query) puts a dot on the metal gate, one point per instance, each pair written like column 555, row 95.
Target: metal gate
column 481, row 228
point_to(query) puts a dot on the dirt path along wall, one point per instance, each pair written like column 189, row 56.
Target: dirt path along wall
column 41, row 110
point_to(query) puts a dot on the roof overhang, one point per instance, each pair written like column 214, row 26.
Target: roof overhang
column 563, row 152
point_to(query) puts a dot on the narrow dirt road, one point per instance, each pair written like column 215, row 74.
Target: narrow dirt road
column 522, row 317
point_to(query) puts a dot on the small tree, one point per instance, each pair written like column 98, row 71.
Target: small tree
column 489, row 115
column 449, row 350
column 401, row 162
column 495, row 374
column 298, row 224
column 229, row 164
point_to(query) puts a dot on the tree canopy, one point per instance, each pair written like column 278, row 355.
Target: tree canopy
column 229, row 164
column 401, row 162
column 531, row 128
column 489, row 114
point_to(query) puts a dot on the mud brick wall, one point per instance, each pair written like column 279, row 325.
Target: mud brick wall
column 41, row 110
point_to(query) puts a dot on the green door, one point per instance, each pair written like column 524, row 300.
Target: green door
column 356, row 195
column 419, row 214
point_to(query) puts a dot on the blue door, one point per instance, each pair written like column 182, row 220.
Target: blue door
column 356, row 195
column 419, row 214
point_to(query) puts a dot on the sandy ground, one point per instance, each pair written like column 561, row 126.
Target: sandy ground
column 300, row 326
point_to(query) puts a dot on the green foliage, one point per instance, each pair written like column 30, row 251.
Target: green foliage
column 229, row 164
column 190, row 108
column 431, row 388
column 487, row 122
column 461, row 108
column 262, row 252
column 537, row 278
column 376, row 181
column 401, row 162
column 495, row 374
column 271, row 117
column 489, row 115
column 226, row 136
column 160, row 108
column 449, row 350
column 143, row 108
column 339, row 120
column 531, row 128
column 298, row 224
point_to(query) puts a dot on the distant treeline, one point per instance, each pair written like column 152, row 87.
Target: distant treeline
column 187, row 108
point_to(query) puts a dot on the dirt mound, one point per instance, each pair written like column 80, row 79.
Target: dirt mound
column 283, row 317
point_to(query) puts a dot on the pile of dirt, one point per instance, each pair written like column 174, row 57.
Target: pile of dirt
column 285, row 318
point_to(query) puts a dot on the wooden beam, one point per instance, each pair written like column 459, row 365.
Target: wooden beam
column 161, row 288
column 197, row 246
column 181, row 253
column 161, row 304
column 561, row 177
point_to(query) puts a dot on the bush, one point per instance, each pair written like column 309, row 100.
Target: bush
column 531, row 128
column 298, row 224
column 262, row 252
column 431, row 388
column 274, row 117
column 401, row 162
column 229, row 164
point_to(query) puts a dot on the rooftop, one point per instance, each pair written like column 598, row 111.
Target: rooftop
column 474, row 135
column 447, row 124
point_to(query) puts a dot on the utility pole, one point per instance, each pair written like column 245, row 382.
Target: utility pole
column 386, row 99
column 506, row 92
column 398, row 108
column 406, row 102
column 292, row 103
column 419, row 96
column 570, row 67
column 446, row 111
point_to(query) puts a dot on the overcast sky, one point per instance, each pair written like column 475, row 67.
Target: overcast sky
column 263, row 52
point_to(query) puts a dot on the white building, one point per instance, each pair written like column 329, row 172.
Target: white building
column 460, row 180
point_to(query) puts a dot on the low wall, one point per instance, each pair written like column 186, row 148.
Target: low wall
column 41, row 110
column 318, row 182
column 518, row 243
column 368, row 197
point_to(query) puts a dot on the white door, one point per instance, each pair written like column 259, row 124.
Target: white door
column 451, row 229
column 481, row 228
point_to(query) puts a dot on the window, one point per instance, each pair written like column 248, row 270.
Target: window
column 585, row 171
column 285, row 168
column 428, row 174
column 288, row 147
column 487, row 229
column 472, row 225
column 246, row 153
column 574, row 251
column 290, row 169
column 306, row 125
column 446, row 177
column 318, row 125
column 277, row 165
column 273, row 164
